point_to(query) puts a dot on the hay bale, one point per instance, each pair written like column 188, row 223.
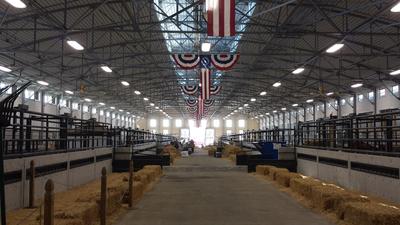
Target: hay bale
column 230, row 150
column 371, row 213
column 155, row 168
column 283, row 178
column 332, row 198
column 303, row 186
column 263, row 169
column 272, row 172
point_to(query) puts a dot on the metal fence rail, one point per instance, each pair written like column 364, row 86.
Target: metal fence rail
column 379, row 133
column 38, row 133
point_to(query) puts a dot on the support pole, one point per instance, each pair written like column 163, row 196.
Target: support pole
column 49, row 203
column 103, row 197
column 130, row 200
column 32, row 185
column 2, row 186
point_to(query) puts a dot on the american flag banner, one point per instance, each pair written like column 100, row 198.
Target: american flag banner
column 205, row 81
column 220, row 18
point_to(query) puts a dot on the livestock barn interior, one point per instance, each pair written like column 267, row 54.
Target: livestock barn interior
column 200, row 112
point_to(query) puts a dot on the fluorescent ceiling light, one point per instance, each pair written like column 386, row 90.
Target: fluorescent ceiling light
column 274, row 111
column 88, row 100
column 157, row 107
column 106, row 69
column 253, row 99
column 125, row 83
column 160, row 110
column 5, row 69
column 44, row 83
column 69, row 92
column 261, row 115
column 102, row 103
column 263, row 93
column 245, row 105
column 205, row 47
column 395, row 8
column 310, row 100
column 121, row 110
column 112, row 107
column 298, row 70
column 151, row 104
column 295, row 105
column 356, row 85
column 240, row 108
column 267, row 114
column 395, row 72
column 138, row 92
column 128, row 113
column 283, row 109
column 329, row 93
column 277, row 84
column 75, row 45
column 17, row 3
column 334, row 48
column 146, row 99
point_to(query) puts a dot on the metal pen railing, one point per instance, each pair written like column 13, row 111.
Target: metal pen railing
column 379, row 133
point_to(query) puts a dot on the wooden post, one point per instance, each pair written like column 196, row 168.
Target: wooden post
column 49, row 203
column 130, row 200
column 103, row 197
column 32, row 185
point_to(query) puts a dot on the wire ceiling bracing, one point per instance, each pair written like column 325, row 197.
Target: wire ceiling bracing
column 136, row 37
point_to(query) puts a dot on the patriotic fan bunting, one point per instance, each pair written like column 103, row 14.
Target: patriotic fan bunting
column 190, row 89
column 191, row 102
column 215, row 90
column 220, row 61
column 191, row 109
column 224, row 61
column 208, row 103
column 186, row 61
column 205, row 81
column 220, row 17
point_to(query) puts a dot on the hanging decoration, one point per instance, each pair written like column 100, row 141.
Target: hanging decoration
column 209, row 103
column 219, row 61
column 224, row 61
column 215, row 90
column 220, row 18
column 186, row 61
column 191, row 102
column 205, row 81
column 190, row 89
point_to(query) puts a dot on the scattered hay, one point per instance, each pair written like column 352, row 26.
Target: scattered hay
column 283, row 178
column 303, row 186
column 371, row 213
column 232, row 158
column 272, row 172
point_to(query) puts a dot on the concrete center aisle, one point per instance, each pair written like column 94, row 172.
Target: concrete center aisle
column 202, row 190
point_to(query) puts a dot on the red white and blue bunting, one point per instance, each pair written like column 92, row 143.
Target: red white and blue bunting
column 208, row 103
column 205, row 81
column 191, row 102
column 215, row 90
column 191, row 109
column 220, row 61
column 186, row 61
column 224, row 61
column 190, row 89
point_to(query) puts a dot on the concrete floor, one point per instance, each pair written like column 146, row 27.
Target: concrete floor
column 201, row 190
